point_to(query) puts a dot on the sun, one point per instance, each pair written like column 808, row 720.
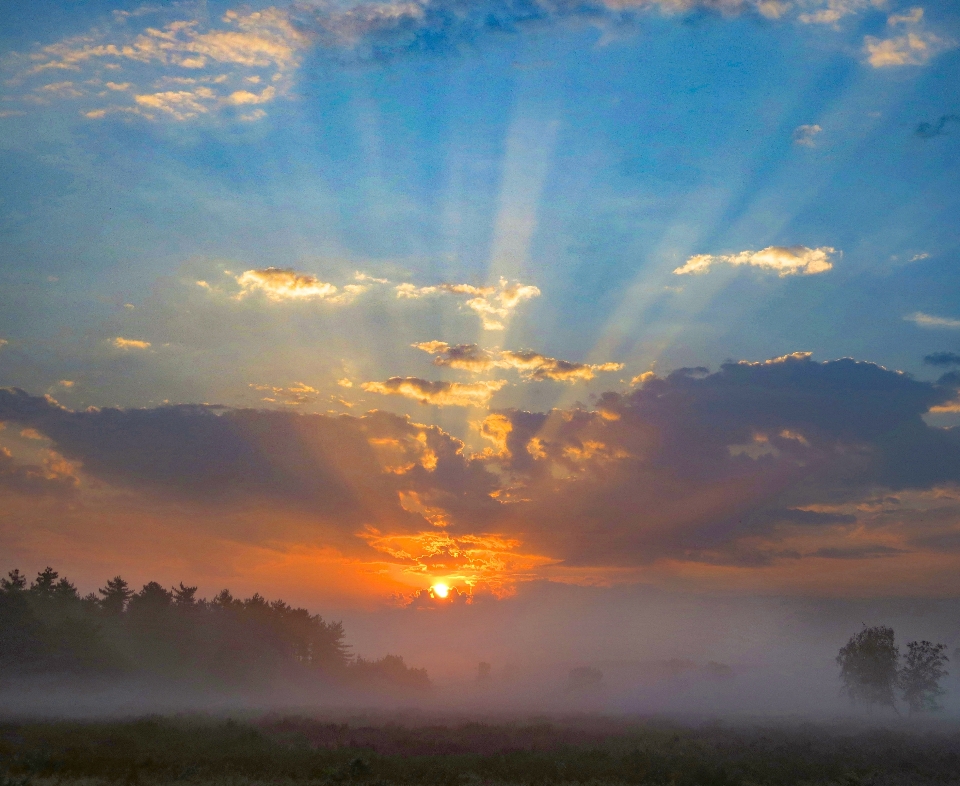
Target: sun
column 440, row 590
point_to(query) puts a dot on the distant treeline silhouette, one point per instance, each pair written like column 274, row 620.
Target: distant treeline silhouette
column 46, row 627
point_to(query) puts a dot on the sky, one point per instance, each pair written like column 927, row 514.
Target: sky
column 343, row 301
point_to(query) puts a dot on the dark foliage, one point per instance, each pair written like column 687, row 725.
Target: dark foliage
column 304, row 750
column 869, row 667
column 921, row 674
column 47, row 628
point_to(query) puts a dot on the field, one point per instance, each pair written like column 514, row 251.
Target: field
column 380, row 750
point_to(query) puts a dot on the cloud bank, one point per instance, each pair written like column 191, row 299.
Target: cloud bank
column 757, row 465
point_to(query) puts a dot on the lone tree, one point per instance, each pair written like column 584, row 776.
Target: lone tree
column 921, row 674
column 868, row 667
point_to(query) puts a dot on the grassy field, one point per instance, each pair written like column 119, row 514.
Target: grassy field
column 301, row 750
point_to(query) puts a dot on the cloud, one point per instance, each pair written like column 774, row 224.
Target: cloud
column 942, row 359
column 531, row 365
column 344, row 471
column 129, row 343
column 293, row 396
column 3, row 342
column 214, row 59
column 493, row 304
column 834, row 11
column 440, row 394
column 280, row 284
column 806, row 135
column 930, row 321
column 52, row 478
column 755, row 464
column 714, row 467
column 915, row 47
column 795, row 260
column 939, row 128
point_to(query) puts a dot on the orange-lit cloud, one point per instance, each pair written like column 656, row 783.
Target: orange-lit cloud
column 279, row 284
column 531, row 365
column 437, row 393
column 129, row 343
column 756, row 465
column 493, row 304
column 293, row 396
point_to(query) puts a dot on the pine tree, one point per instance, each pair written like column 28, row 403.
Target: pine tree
column 115, row 595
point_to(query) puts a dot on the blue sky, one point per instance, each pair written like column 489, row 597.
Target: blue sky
column 268, row 206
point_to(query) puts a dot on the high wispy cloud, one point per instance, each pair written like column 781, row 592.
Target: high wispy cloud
column 795, row 260
column 163, row 64
column 293, row 396
column 174, row 70
column 531, row 365
column 931, row 321
column 438, row 393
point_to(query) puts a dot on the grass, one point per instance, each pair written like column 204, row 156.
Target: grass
column 301, row 751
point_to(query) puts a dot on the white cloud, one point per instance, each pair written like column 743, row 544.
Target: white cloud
column 834, row 11
column 914, row 47
column 930, row 321
column 805, row 135
column 795, row 260
column 440, row 394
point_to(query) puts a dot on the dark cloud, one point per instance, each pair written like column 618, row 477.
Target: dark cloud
column 855, row 552
column 938, row 128
column 736, row 467
column 343, row 469
column 693, row 465
column 942, row 359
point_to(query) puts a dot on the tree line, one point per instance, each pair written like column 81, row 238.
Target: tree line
column 47, row 627
column 873, row 674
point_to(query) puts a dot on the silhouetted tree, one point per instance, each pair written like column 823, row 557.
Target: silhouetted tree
column 868, row 667
column 43, row 586
column 15, row 582
column 152, row 598
column 921, row 674
column 115, row 595
column 185, row 596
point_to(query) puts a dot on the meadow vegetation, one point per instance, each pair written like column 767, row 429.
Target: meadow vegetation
column 303, row 750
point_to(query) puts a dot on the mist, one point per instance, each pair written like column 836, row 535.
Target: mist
column 549, row 648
